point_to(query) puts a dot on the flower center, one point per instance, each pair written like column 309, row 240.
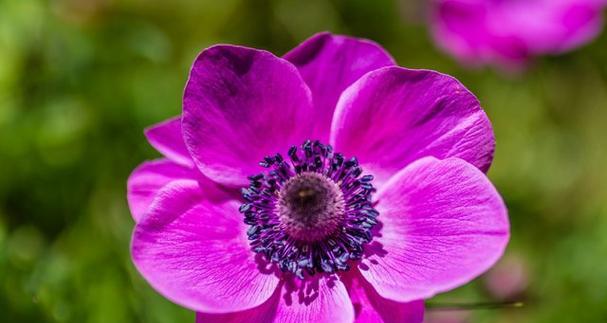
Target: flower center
column 312, row 213
column 310, row 206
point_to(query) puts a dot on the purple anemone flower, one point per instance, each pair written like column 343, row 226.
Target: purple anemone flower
column 509, row 32
column 329, row 185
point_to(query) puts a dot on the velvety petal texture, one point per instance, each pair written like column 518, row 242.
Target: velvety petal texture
column 196, row 253
column 370, row 307
column 330, row 63
column 318, row 299
column 148, row 179
column 393, row 116
column 442, row 224
column 265, row 312
column 322, row 299
column 509, row 32
column 167, row 138
column 239, row 105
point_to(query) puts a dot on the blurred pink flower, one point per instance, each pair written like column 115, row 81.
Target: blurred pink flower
column 509, row 278
column 306, row 240
column 509, row 32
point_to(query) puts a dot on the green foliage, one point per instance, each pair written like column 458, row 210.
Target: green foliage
column 79, row 80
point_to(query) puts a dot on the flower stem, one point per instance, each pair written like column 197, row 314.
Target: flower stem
column 473, row 306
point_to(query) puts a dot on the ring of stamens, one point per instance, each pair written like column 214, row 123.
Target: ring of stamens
column 311, row 213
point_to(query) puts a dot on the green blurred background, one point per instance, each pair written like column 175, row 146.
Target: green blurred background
column 80, row 79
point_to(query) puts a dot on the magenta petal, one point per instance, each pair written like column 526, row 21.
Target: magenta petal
column 241, row 104
column 265, row 312
column 167, row 138
column 195, row 252
column 442, row 224
column 318, row 299
column 146, row 181
column 330, row 63
column 370, row 307
column 393, row 116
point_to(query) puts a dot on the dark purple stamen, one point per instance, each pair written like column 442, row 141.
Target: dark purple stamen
column 310, row 213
